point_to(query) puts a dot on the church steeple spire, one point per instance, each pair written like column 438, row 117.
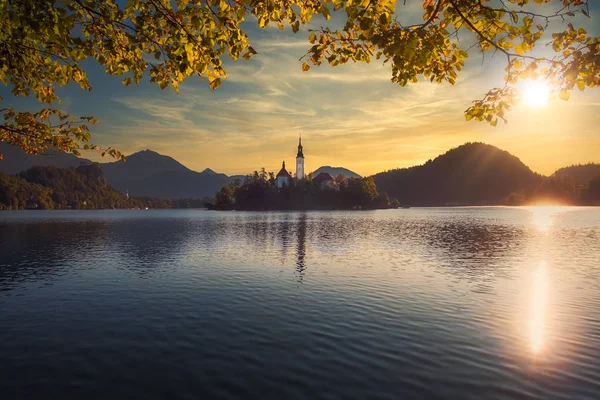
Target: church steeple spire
column 300, row 154
column 300, row 160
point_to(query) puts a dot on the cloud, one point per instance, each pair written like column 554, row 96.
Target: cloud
column 251, row 105
column 270, row 44
column 351, row 115
column 157, row 108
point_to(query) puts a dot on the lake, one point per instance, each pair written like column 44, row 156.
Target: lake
column 433, row 303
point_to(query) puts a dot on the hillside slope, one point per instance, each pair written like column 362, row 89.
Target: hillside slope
column 582, row 174
column 48, row 187
column 474, row 173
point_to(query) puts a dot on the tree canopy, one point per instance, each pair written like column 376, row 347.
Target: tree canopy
column 84, row 187
column 44, row 42
column 259, row 191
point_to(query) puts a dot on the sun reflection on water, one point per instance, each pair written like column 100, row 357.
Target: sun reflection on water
column 538, row 308
column 542, row 217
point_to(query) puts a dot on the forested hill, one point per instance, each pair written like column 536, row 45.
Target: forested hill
column 474, row 173
column 581, row 174
column 49, row 187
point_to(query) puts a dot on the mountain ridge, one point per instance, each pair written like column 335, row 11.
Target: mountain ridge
column 473, row 173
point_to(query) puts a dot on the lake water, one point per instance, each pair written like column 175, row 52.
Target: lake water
column 448, row 303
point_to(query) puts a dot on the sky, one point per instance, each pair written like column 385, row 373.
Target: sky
column 351, row 116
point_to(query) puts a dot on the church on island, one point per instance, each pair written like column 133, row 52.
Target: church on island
column 284, row 177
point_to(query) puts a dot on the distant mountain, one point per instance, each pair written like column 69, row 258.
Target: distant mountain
column 208, row 171
column 16, row 160
column 582, row 174
column 147, row 173
column 335, row 171
column 238, row 177
column 474, row 173
column 141, row 165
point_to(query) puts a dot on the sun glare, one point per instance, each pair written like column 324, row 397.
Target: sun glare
column 535, row 94
column 542, row 217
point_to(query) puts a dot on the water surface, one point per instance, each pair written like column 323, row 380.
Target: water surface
column 448, row 303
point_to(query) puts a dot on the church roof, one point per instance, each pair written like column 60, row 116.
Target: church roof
column 323, row 176
column 283, row 172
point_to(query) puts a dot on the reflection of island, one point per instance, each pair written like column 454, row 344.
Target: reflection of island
column 301, row 247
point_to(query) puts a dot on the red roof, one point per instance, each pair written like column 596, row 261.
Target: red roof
column 323, row 176
column 284, row 173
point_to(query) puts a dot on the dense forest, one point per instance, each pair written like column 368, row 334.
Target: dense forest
column 83, row 187
column 474, row 173
column 582, row 174
column 480, row 174
column 258, row 191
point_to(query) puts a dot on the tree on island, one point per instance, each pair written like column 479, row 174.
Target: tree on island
column 43, row 44
column 259, row 192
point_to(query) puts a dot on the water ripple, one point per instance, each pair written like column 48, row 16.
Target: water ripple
column 461, row 303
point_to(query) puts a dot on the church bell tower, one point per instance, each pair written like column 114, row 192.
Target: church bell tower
column 300, row 161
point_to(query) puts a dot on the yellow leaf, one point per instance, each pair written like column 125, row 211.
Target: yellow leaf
column 518, row 64
column 305, row 67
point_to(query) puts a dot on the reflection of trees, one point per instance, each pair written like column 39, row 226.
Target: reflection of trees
column 301, row 246
column 469, row 248
column 284, row 233
column 474, row 250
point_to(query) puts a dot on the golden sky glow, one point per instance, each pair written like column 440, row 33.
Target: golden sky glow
column 350, row 116
column 347, row 124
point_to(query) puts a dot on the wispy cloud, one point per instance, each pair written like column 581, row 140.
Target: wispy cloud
column 350, row 115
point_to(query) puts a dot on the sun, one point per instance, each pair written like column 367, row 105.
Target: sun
column 536, row 93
